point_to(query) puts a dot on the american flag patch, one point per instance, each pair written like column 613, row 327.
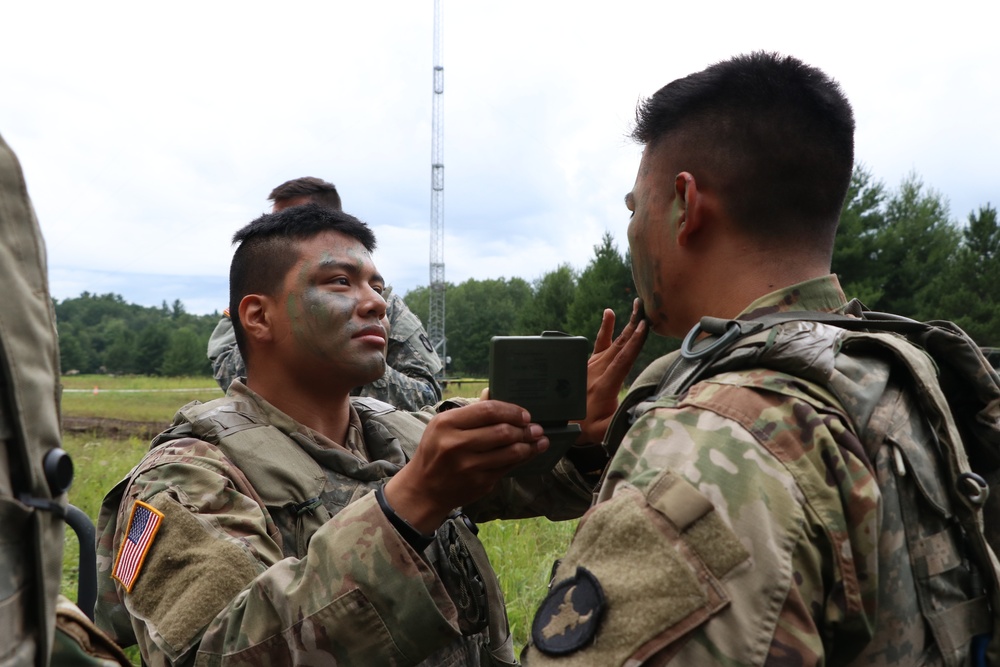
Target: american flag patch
column 142, row 527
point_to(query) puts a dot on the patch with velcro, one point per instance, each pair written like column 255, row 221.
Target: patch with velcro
column 143, row 524
column 568, row 618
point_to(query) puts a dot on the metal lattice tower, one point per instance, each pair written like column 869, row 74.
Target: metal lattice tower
column 435, row 324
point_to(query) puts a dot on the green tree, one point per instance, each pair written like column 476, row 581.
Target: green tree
column 855, row 252
column 606, row 282
column 74, row 353
column 104, row 331
column 185, row 354
column 151, row 348
column 917, row 246
column 477, row 310
column 969, row 291
column 548, row 308
column 120, row 354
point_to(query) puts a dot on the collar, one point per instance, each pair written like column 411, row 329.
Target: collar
column 822, row 294
column 355, row 441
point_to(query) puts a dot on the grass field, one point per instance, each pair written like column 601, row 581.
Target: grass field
column 521, row 551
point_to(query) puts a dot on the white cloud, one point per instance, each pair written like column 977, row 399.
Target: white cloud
column 150, row 133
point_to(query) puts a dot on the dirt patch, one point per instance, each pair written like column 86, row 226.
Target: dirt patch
column 117, row 429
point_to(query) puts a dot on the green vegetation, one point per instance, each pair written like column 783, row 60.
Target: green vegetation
column 522, row 553
column 103, row 334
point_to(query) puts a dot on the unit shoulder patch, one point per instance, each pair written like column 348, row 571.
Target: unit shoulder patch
column 569, row 616
column 143, row 523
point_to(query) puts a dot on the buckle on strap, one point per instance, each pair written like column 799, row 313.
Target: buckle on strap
column 724, row 331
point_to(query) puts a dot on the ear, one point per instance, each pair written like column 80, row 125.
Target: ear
column 255, row 317
column 689, row 219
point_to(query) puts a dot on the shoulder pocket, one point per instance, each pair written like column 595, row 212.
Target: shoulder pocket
column 659, row 559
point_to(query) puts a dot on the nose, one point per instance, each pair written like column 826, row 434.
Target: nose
column 373, row 304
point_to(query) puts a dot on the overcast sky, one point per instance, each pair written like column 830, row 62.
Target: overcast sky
column 149, row 133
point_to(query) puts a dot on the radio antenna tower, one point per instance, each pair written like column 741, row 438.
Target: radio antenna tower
column 435, row 324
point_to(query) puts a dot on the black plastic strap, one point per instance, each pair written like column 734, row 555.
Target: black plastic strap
column 413, row 537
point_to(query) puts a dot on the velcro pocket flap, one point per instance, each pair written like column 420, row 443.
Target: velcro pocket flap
column 659, row 560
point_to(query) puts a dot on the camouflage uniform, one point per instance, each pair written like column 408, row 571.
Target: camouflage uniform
column 411, row 362
column 744, row 523
column 273, row 550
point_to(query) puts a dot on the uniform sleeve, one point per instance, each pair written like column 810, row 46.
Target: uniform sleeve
column 559, row 495
column 213, row 585
column 729, row 530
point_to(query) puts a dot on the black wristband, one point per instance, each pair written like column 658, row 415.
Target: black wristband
column 413, row 537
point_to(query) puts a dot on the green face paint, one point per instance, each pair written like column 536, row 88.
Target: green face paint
column 334, row 307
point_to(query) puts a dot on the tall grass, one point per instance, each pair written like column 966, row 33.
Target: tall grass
column 522, row 551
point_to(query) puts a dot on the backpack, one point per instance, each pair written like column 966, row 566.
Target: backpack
column 958, row 392
column 36, row 622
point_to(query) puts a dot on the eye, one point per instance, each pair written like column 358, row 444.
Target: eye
column 379, row 288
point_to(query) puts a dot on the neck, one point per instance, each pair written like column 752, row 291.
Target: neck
column 325, row 409
column 741, row 274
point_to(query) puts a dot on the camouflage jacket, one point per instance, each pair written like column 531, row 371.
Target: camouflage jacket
column 249, row 573
column 411, row 362
column 744, row 523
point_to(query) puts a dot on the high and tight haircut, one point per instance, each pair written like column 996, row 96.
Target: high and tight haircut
column 269, row 248
column 773, row 135
column 316, row 189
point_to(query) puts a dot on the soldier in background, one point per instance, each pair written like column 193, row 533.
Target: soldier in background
column 38, row 626
column 411, row 362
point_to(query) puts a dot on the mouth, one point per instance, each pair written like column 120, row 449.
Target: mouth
column 373, row 334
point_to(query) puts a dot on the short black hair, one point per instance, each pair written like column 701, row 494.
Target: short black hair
column 268, row 248
column 772, row 134
column 316, row 189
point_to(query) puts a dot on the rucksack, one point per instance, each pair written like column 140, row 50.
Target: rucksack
column 37, row 623
column 958, row 392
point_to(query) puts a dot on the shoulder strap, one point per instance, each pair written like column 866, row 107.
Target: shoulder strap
column 278, row 469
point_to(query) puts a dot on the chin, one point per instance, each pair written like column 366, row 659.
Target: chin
column 376, row 371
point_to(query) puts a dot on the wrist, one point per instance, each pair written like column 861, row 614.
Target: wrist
column 412, row 502
column 414, row 537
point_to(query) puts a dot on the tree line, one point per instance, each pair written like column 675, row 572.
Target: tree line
column 898, row 250
column 101, row 333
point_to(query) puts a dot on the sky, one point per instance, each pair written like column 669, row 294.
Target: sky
column 149, row 133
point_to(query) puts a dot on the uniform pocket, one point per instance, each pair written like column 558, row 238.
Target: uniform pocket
column 657, row 558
